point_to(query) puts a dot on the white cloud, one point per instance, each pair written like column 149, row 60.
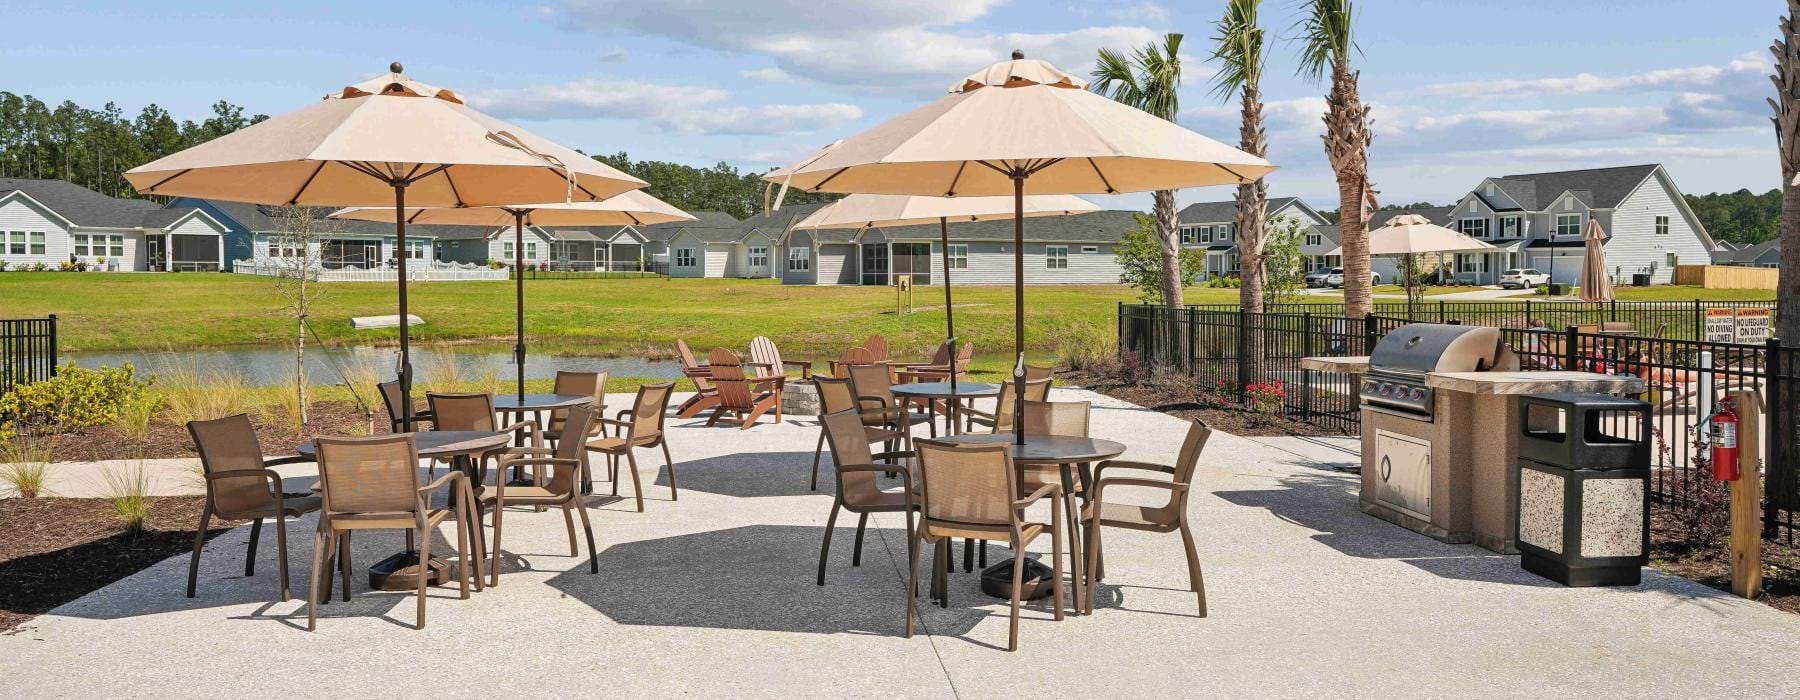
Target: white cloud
column 612, row 55
column 771, row 74
column 1749, row 67
column 681, row 108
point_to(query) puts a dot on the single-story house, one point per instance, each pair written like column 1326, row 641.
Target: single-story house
column 1764, row 254
column 261, row 234
column 656, row 236
column 576, row 248
column 1387, row 267
column 1075, row 249
column 52, row 222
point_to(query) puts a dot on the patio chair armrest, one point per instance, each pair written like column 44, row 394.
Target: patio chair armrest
column 450, row 476
column 897, row 454
column 288, row 459
column 1130, row 464
column 1176, row 487
column 906, row 477
column 543, row 461
column 1051, row 490
column 805, row 367
column 609, row 421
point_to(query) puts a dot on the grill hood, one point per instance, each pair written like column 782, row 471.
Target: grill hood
column 1437, row 347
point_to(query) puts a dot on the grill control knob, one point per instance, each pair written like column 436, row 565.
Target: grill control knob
column 1417, row 394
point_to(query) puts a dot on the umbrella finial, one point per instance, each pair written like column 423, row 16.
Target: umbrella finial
column 1018, row 54
column 395, row 67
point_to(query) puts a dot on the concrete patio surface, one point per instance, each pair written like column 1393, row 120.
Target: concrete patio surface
column 714, row 595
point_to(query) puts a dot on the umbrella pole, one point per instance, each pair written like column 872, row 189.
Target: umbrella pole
column 949, row 317
column 1019, row 307
column 519, row 299
column 406, row 405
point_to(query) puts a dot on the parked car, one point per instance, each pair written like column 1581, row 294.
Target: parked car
column 1335, row 279
column 1316, row 278
column 1522, row 277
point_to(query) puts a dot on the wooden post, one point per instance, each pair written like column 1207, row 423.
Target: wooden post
column 1746, row 498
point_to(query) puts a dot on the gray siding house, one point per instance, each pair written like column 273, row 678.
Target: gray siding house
column 257, row 233
column 52, row 222
column 656, row 236
column 1764, row 254
column 1387, row 268
column 1058, row 250
column 1537, row 220
column 1211, row 227
column 738, row 249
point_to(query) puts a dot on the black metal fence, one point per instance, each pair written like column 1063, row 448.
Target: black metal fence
column 1661, row 319
column 27, row 350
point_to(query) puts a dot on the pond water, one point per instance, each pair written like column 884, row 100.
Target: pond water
column 260, row 366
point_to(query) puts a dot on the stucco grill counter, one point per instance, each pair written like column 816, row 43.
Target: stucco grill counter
column 1439, row 419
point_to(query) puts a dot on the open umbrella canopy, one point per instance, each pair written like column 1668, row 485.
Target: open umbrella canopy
column 1595, row 285
column 1022, row 117
column 1411, row 234
column 860, row 210
column 634, row 208
column 351, row 148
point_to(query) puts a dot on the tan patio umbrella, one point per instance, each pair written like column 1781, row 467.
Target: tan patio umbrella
column 1595, row 285
column 376, row 142
column 635, row 208
column 1411, row 234
column 1017, row 122
column 870, row 210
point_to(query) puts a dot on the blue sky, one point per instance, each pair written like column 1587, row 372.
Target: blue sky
column 1460, row 89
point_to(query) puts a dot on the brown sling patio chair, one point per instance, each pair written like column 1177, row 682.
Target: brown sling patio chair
column 372, row 483
column 854, row 356
column 970, row 491
column 705, row 396
column 241, row 486
column 857, row 489
column 645, row 429
column 1169, row 517
column 939, row 369
column 391, row 400
column 835, row 395
column 1000, row 421
column 476, row 412
column 874, row 385
column 765, row 355
column 563, row 489
column 747, row 398
column 582, row 383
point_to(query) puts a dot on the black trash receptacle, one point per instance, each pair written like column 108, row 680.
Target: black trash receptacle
column 1640, row 279
column 1584, row 488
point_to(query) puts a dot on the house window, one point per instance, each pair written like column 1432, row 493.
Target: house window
column 1314, row 239
column 759, row 257
column 1476, row 227
column 1568, row 224
column 37, row 242
column 1471, row 263
column 1662, row 226
column 1204, row 234
column 1188, row 235
column 81, row 244
column 1089, row 249
column 1673, row 260
column 117, row 247
column 506, row 250
column 959, row 256
column 1056, row 257
column 18, row 243
column 531, row 250
column 684, row 257
column 1509, row 227
column 1226, row 232
column 799, row 259
column 415, row 250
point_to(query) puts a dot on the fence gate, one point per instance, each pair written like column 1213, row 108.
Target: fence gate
column 27, row 350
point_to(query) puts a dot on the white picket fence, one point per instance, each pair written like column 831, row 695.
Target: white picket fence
column 415, row 272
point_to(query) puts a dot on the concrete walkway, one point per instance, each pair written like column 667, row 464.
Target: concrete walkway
column 713, row 595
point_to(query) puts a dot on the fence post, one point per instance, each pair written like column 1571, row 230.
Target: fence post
column 1306, row 350
column 1699, row 322
column 1779, row 439
column 1243, row 349
column 1193, row 338
column 1440, row 311
column 1571, row 337
column 54, row 348
column 1368, row 334
column 1121, row 347
column 1612, row 309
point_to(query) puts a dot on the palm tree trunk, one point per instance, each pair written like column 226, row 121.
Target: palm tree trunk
column 1252, row 232
column 1347, row 144
column 1786, row 51
column 1169, row 239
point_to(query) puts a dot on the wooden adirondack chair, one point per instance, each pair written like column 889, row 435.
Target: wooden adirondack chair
column 705, row 395
column 877, row 347
column 763, row 354
column 854, row 356
column 745, row 397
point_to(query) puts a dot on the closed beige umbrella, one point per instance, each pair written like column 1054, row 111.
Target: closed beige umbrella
column 634, row 208
column 867, row 210
column 375, row 143
column 1017, row 122
column 1595, row 285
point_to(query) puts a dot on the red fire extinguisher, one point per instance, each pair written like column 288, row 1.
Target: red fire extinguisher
column 1724, row 427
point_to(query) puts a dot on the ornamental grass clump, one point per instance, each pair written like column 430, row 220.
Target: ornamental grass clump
column 190, row 393
column 128, row 490
column 25, row 464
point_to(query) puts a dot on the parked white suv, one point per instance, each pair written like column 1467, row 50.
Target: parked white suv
column 1335, row 280
column 1318, row 278
column 1522, row 278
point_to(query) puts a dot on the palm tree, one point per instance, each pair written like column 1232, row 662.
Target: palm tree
column 1150, row 80
column 1787, row 138
column 1241, row 55
column 1326, row 44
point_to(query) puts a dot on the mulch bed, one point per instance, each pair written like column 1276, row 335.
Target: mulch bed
column 56, row 550
column 1711, row 565
column 1180, row 401
column 166, row 439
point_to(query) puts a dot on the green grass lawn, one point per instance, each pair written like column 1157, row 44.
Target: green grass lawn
column 640, row 317
column 1672, row 292
column 1399, row 291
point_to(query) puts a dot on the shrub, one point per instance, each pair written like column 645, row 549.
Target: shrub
column 26, row 464
column 1700, row 506
column 75, row 398
column 1225, row 282
column 1267, row 399
column 1083, row 347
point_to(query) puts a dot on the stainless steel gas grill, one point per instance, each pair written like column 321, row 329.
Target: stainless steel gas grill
column 1397, row 368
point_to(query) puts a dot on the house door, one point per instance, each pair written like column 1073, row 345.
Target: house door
column 875, row 264
column 913, row 259
column 157, row 250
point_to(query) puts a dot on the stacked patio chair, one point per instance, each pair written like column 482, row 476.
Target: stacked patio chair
column 836, row 395
column 241, row 486
column 705, row 396
column 1171, row 516
column 746, row 398
column 645, row 429
column 567, row 463
column 372, row 483
column 970, row 491
column 857, row 489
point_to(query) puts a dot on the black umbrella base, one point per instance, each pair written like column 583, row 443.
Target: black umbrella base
column 400, row 572
column 1037, row 581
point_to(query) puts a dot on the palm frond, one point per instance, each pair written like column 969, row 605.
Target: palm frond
column 1324, row 33
column 1240, row 49
column 1150, row 80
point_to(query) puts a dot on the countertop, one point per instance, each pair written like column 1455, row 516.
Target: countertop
column 1344, row 365
column 1533, row 382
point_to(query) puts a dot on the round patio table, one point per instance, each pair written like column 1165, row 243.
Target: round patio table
column 400, row 571
column 513, row 403
column 1064, row 452
column 951, row 396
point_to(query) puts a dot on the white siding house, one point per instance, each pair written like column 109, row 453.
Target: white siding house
column 52, row 223
column 1212, row 227
column 1076, row 249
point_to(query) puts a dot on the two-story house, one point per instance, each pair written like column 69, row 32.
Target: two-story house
column 1211, row 227
column 1536, row 220
column 52, row 222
